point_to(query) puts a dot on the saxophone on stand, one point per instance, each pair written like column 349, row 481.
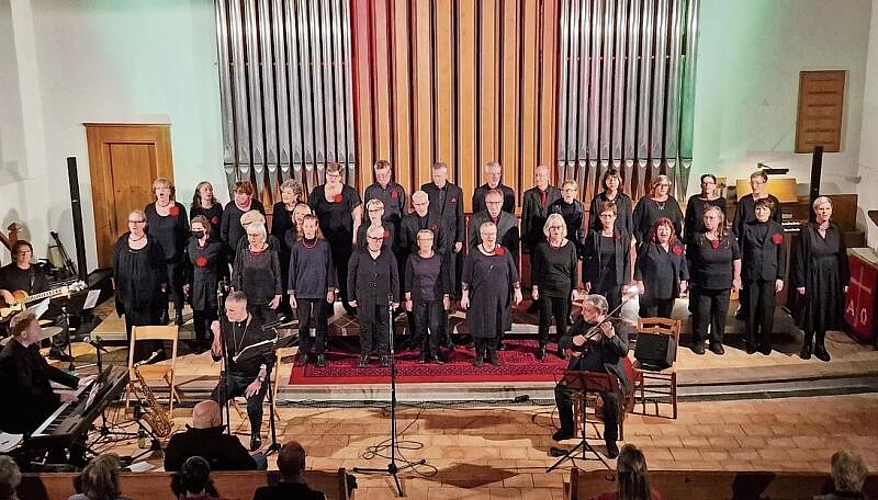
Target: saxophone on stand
column 156, row 417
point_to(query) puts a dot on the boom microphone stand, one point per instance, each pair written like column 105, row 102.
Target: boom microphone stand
column 392, row 468
column 220, row 312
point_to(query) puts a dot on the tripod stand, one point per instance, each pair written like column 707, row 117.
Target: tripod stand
column 392, row 468
column 582, row 383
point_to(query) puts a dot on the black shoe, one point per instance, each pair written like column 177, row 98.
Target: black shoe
column 364, row 361
column 541, row 352
column 805, row 353
column 766, row 350
column 471, row 346
column 480, row 360
column 821, row 353
column 717, row 348
column 750, row 348
column 60, row 356
column 321, row 360
column 303, row 359
column 422, row 358
column 561, row 353
column 383, row 360
column 501, row 346
column 493, row 358
column 436, row 359
column 449, row 344
column 698, row 348
column 561, row 435
column 255, row 442
column 612, row 450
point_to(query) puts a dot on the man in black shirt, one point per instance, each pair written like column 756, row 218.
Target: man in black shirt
column 389, row 192
column 247, row 371
column 290, row 464
column 493, row 174
column 21, row 275
column 205, row 438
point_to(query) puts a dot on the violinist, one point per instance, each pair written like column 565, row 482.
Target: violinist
column 599, row 344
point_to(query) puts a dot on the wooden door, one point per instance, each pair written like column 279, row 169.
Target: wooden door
column 123, row 162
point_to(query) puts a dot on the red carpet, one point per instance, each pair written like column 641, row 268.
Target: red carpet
column 518, row 364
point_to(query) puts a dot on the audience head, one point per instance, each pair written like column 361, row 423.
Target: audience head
column 494, row 202
column 663, row 232
column 612, row 180
column 633, row 476
column 203, row 194
column 10, row 478
column 421, row 202
column 439, row 172
column 236, row 306
column 291, row 459
column 193, row 478
column 136, row 222
column 243, row 193
column 291, row 192
column 383, row 172
column 660, row 186
column 493, row 173
column 100, row 478
column 555, row 226
column 206, row 414
column 848, row 472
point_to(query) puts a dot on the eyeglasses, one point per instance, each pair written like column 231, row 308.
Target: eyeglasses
column 374, row 210
column 375, row 238
column 556, row 227
column 607, row 216
column 136, row 221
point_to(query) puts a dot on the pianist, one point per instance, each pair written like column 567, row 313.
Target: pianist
column 25, row 377
column 247, row 366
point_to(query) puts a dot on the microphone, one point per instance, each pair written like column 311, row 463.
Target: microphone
column 274, row 324
column 150, row 359
column 98, row 343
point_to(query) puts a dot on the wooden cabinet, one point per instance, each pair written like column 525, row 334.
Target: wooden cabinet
column 860, row 302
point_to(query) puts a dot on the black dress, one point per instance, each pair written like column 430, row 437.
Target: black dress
column 648, row 211
column 139, row 276
column 171, row 233
column 661, row 272
column 203, row 272
column 337, row 225
column 490, row 279
column 822, row 268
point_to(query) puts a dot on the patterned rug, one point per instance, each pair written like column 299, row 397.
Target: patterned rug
column 518, row 363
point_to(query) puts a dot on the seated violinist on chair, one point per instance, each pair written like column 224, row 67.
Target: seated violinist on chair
column 599, row 350
column 22, row 276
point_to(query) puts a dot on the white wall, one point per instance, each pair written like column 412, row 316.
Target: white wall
column 868, row 158
column 750, row 53
column 118, row 61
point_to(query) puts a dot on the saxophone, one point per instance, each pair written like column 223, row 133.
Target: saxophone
column 153, row 414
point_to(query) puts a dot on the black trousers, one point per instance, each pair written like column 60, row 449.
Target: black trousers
column 428, row 319
column 711, row 309
column 340, row 258
column 234, row 385
column 656, row 308
column 611, row 290
column 373, row 326
column 174, row 276
column 556, row 307
column 761, row 299
column 201, row 320
column 564, row 400
column 311, row 314
column 143, row 316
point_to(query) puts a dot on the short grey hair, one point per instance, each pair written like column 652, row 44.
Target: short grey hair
column 848, row 471
column 558, row 219
column 237, row 296
column 821, row 200
column 487, row 225
column 10, row 476
column 293, row 184
column 420, row 195
column 596, row 302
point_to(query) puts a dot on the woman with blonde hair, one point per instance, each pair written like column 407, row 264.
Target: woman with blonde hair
column 256, row 272
column 168, row 226
column 554, row 279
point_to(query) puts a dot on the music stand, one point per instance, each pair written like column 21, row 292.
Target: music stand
column 583, row 382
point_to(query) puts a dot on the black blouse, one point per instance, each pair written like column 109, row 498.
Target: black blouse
column 712, row 262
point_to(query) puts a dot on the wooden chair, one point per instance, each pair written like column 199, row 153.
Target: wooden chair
column 594, row 404
column 275, row 374
column 160, row 371
column 658, row 386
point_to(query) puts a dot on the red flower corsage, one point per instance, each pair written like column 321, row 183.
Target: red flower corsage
column 618, row 236
column 453, row 200
column 174, row 211
column 387, row 234
column 777, row 238
column 338, row 198
column 394, row 194
column 714, row 244
column 434, row 228
column 499, row 251
column 201, row 261
column 215, row 220
column 678, row 250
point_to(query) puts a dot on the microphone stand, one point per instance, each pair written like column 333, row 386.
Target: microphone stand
column 71, row 367
column 271, row 361
column 392, row 468
column 220, row 312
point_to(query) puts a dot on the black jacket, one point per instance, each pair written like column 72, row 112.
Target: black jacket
column 481, row 191
column 534, row 215
column 656, row 268
column 507, row 231
column 624, row 212
column 763, row 258
column 451, row 213
column 592, row 265
column 223, row 451
column 287, row 491
column 408, row 233
column 373, row 280
column 609, row 351
column 25, row 387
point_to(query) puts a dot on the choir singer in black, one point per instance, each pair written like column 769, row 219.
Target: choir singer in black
column 601, row 352
column 247, row 368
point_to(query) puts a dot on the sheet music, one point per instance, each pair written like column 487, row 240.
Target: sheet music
column 91, row 300
column 40, row 308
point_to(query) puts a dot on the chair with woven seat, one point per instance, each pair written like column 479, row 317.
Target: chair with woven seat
column 658, row 386
column 164, row 370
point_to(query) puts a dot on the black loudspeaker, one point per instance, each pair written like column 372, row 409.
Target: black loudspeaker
column 655, row 351
column 76, row 209
column 816, row 172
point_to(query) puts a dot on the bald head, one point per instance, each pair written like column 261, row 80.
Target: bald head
column 206, row 414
